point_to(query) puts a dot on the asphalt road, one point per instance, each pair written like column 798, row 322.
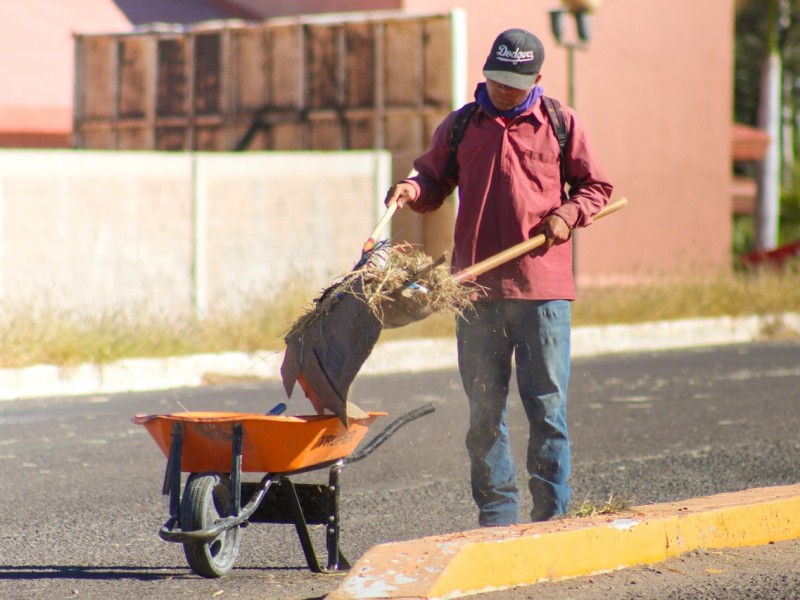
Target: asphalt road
column 81, row 484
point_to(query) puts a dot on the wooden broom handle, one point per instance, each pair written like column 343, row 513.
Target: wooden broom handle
column 498, row 259
column 390, row 210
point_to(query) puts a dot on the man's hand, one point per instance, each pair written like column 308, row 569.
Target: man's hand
column 554, row 229
column 401, row 193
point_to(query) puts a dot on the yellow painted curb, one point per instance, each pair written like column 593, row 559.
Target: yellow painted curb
column 482, row 560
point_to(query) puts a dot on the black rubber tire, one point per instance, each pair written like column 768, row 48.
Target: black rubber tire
column 206, row 498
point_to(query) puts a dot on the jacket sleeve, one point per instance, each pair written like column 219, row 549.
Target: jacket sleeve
column 429, row 178
column 589, row 188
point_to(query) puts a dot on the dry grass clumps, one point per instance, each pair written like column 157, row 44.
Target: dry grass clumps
column 397, row 269
column 31, row 335
column 609, row 507
column 400, row 285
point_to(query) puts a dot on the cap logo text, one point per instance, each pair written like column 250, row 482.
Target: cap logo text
column 514, row 56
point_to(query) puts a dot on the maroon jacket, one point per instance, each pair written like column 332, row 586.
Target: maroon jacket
column 509, row 179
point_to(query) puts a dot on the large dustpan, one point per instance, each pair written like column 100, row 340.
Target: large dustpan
column 325, row 357
column 326, row 353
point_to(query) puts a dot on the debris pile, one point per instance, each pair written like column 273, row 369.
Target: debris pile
column 400, row 284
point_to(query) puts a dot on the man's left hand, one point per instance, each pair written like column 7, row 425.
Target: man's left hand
column 554, row 229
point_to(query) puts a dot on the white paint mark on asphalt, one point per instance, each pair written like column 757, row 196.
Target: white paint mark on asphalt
column 740, row 375
column 428, row 398
column 632, row 399
column 701, row 453
column 746, row 374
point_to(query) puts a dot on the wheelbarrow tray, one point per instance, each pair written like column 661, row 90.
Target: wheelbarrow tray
column 270, row 444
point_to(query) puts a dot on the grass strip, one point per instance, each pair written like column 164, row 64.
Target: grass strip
column 53, row 336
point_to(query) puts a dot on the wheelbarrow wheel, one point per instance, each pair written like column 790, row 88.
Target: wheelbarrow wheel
column 206, row 499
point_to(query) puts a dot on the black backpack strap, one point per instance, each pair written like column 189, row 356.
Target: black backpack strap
column 464, row 114
column 559, row 125
column 463, row 117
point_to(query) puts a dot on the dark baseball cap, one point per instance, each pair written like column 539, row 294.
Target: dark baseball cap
column 515, row 59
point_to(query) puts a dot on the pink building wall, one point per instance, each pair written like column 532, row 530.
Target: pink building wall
column 656, row 91
column 655, row 87
column 37, row 66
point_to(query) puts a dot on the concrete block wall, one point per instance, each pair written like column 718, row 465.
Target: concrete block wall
column 176, row 232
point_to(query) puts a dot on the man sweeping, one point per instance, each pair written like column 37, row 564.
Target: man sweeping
column 511, row 170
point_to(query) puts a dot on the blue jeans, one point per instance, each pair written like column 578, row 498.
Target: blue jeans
column 538, row 335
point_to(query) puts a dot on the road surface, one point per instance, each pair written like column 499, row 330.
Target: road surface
column 81, row 483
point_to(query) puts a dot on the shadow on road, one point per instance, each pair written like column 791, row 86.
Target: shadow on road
column 81, row 572
column 84, row 572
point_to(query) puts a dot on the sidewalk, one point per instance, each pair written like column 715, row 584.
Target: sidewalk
column 427, row 354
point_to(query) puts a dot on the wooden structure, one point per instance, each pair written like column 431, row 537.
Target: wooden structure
column 338, row 82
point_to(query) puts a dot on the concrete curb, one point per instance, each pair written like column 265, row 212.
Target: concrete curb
column 427, row 354
column 485, row 560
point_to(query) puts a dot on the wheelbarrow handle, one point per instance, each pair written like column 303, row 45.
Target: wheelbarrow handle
column 384, row 435
column 529, row 245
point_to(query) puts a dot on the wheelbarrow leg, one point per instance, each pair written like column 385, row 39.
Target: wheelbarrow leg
column 300, row 525
column 236, row 471
column 336, row 560
column 172, row 475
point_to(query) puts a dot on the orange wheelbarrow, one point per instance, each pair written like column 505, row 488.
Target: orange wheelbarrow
column 215, row 448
